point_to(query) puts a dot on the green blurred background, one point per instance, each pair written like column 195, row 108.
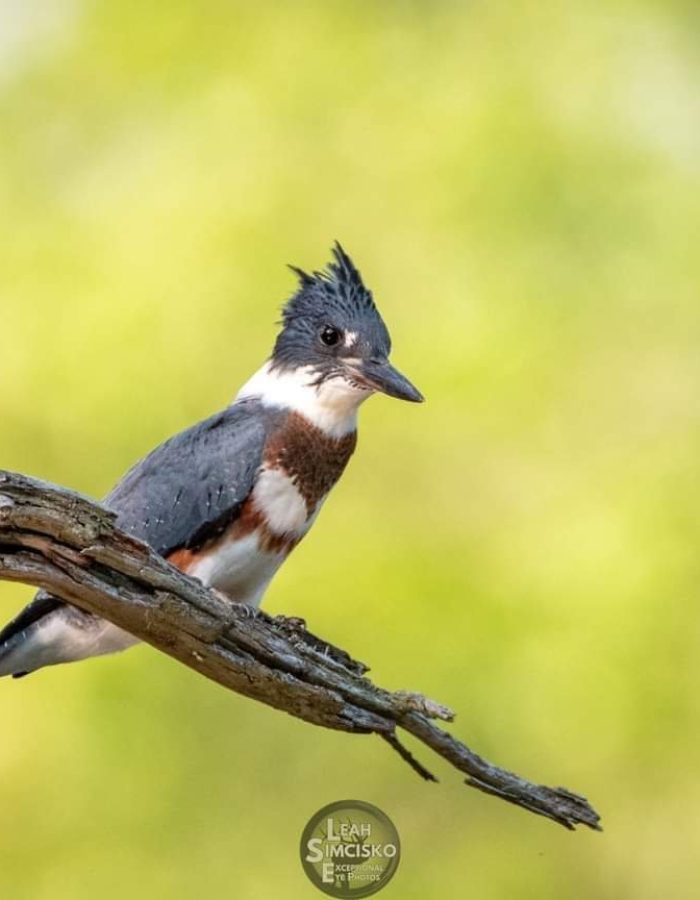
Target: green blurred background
column 519, row 184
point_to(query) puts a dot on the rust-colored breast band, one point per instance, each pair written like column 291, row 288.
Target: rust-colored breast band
column 313, row 460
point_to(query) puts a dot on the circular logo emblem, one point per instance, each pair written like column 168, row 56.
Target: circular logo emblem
column 350, row 849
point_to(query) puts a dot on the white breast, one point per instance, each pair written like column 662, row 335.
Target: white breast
column 277, row 497
column 240, row 569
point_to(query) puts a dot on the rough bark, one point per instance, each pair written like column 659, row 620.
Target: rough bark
column 58, row 540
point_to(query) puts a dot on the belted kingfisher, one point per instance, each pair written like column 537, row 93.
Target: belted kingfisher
column 228, row 499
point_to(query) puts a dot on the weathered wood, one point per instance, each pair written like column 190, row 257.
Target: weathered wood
column 58, row 540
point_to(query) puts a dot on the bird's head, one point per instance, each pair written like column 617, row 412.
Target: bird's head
column 332, row 330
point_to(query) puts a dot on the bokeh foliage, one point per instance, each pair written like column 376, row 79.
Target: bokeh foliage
column 519, row 184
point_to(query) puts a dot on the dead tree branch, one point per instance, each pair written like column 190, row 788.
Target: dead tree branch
column 55, row 539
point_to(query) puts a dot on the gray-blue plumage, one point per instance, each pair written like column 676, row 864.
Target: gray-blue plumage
column 336, row 297
column 182, row 494
column 195, row 483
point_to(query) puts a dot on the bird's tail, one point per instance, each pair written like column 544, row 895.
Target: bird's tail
column 49, row 631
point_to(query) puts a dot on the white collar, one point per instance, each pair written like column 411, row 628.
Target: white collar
column 331, row 406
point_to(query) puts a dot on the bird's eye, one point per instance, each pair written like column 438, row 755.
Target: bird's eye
column 329, row 335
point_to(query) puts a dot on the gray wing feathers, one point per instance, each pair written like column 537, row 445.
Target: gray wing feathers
column 194, row 484
column 187, row 490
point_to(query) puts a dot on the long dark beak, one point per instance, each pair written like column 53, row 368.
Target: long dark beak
column 382, row 376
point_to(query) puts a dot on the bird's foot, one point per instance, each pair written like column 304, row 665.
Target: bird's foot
column 250, row 612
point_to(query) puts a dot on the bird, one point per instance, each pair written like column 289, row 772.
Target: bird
column 229, row 498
